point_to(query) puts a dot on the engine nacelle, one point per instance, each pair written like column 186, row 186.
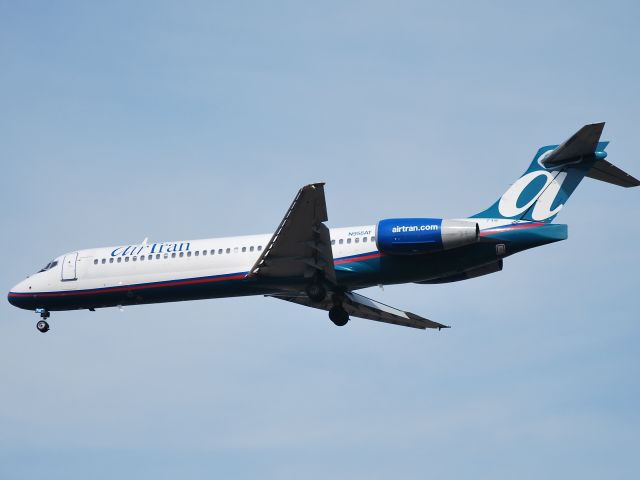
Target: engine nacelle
column 414, row 236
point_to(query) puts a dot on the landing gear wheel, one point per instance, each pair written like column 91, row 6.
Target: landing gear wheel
column 339, row 316
column 42, row 326
column 316, row 292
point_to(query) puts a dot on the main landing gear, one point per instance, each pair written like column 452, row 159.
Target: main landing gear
column 43, row 325
column 338, row 315
column 317, row 293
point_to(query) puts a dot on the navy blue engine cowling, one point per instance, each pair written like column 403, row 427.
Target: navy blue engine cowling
column 414, row 236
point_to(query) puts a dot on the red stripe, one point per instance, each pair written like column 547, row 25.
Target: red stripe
column 130, row 287
column 510, row 227
column 358, row 259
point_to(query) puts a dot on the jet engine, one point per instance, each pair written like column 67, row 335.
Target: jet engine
column 415, row 236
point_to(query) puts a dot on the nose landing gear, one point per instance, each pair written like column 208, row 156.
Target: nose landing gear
column 43, row 325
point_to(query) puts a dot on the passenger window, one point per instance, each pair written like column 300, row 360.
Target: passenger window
column 181, row 254
column 119, row 259
column 150, row 257
column 141, row 257
column 173, row 255
column 251, row 248
column 126, row 259
column 197, row 253
column 364, row 239
column 219, row 251
column 111, row 260
column 95, row 262
column 204, row 252
column 333, row 242
column 166, row 255
column 348, row 240
column 188, row 254
column 228, row 250
column 357, row 240
column 244, row 249
column 213, row 251
column 341, row 241
column 135, row 258
column 235, row 249
column 259, row 247
column 157, row 256
column 373, row 239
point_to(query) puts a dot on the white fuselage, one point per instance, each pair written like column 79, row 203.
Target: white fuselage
column 169, row 261
column 222, row 267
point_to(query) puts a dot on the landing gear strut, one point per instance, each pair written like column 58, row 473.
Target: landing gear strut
column 43, row 325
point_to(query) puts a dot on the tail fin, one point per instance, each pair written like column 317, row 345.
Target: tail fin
column 554, row 173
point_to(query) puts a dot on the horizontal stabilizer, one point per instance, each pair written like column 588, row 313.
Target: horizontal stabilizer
column 605, row 172
column 583, row 143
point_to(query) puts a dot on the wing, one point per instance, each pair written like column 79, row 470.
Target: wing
column 301, row 245
column 360, row 306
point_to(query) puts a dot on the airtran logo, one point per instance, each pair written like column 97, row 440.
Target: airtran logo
column 152, row 248
column 414, row 228
column 511, row 204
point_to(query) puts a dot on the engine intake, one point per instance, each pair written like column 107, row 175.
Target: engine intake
column 414, row 236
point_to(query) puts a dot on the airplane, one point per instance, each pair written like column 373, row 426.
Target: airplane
column 307, row 263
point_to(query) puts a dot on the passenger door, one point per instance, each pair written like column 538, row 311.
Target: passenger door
column 69, row 267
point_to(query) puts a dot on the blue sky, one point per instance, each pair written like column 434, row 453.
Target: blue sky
column 174, row 120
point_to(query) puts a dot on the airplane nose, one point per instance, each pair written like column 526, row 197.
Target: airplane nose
column 18, row 295
column 12, row 297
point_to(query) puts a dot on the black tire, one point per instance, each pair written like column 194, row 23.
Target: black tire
column 338, row 316
column 316, row 292
column 42, row 326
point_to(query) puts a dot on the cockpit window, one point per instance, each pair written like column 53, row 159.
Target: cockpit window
column 49, row 266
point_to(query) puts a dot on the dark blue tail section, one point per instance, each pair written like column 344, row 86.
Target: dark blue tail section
column 554, row 173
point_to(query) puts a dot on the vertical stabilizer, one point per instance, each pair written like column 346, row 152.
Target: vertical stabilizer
column 553, row 175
